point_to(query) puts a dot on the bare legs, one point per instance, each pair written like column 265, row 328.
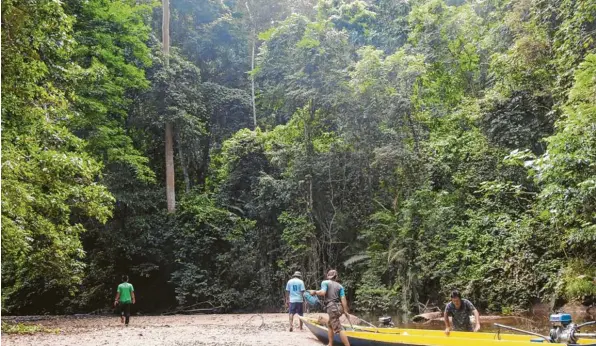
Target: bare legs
column 342, row 336
column 330, row 334
column 292, row 322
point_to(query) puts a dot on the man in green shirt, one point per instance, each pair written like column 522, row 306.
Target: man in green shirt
column 125, row 296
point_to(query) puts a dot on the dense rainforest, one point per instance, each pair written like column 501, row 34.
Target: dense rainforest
column 417, row 146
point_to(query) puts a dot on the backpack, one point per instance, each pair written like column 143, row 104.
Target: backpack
column 311, row 300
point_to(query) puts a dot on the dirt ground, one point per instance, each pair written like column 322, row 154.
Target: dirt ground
column 178, row 330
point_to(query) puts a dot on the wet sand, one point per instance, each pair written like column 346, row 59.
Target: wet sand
column 192, row 330
column 178, row 330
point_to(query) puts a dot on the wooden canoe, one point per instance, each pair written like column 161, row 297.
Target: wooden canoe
column 368, row 338
column 466, row 335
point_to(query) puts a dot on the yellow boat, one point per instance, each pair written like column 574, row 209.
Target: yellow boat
column 466, row 335
column 370, row 338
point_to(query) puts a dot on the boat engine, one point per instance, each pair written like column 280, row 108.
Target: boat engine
column 562, row 329
column 386, row 321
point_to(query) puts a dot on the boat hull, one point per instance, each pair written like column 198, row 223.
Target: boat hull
column 321, row 334
column 369, row 338
column 466, row 335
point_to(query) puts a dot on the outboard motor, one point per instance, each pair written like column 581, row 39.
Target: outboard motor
column 386, row 321
column 562, row 329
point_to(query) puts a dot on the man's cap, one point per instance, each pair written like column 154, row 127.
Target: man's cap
column 297, row 274
column 332, row 274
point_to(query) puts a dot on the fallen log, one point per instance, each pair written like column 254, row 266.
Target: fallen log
column 189, row 309
column 429, row 316
column 193, row 311
column 486, row 318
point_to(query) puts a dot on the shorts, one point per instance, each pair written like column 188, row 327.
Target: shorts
column 124, row 308
column 296, row 308
column 334, row 315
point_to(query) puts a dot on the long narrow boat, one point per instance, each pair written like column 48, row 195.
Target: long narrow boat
column 466, row 335
column 367, row 338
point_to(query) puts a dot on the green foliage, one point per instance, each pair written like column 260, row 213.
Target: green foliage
column 374, row 297
column 521, row 121
column 48, row 177
column 297, row 232
column 209, row 242
column 449, row 37
column 579, row 287
column 22, row 328
column 569, row 25
column 302, row 62
column 566, row 171
column 416, row 146
column 212, row 37
column 229, row 110
column 111, row 53
column 390, row 29
column 354, row 18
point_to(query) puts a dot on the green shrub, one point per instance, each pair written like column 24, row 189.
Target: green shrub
column 22, row 328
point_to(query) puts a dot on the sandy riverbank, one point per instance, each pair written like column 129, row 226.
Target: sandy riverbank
column 179, row 330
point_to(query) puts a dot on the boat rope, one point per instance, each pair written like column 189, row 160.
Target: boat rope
column 522, row 331
column 253, row 316
column 348, row 317
column 370, row 324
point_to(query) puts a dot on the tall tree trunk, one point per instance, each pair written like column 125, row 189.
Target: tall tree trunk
column 252, row 66
column 170, row 181
column 165, row 29
column 183, row 163
column 414, row 134
column 204, row 166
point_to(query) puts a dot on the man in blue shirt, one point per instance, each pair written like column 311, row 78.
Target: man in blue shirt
column 335, row 305
column 294, row 298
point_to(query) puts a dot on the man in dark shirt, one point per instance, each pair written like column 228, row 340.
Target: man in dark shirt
column 335, row 305
column 460, row 310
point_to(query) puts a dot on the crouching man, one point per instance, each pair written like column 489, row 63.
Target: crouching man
column 460, row 310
